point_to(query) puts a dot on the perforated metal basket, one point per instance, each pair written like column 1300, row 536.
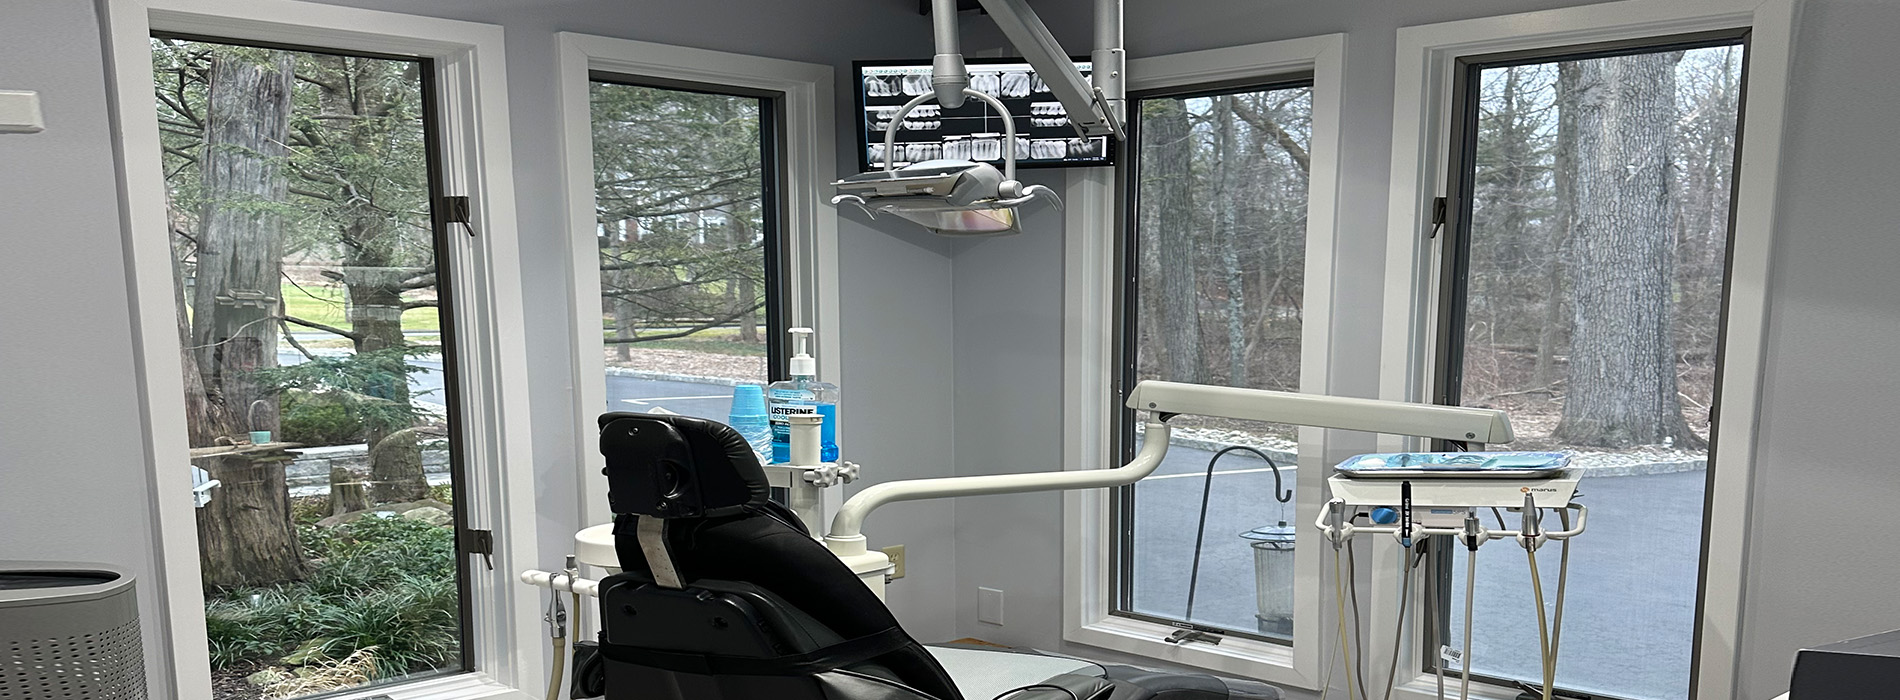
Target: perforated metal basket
column 69, row 630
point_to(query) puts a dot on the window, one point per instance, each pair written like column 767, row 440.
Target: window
column 1584, row 292
column 1218, row 249
column 310, row 265
column 688, row 226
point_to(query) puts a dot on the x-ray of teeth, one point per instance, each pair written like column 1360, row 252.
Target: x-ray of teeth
column 926, row 111
column 956, row 148
column 875, row 153
column 917, row 152
column 1079, row 148
column 1015, row 84
column 987, row 83
column 1036, row 84
column 1048, row 109
column 916, row 84
column 1048, row 149
column 922, row 125
column 880, row 85
column 986, row 147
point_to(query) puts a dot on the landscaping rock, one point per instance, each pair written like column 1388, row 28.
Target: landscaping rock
column 267, row 677
column 431, row 515
column 387, row 510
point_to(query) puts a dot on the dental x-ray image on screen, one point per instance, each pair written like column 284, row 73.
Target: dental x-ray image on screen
column 1044, row 137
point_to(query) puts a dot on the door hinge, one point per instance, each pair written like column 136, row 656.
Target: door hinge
column 480, row 542
column 455, row 210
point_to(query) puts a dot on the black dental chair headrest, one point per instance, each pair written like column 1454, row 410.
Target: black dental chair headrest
column 679, row 467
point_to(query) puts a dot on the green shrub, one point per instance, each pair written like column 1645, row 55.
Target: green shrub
column 389, row 583
column 317, row 419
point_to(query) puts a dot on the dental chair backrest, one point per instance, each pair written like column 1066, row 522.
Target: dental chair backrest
column 723, row 595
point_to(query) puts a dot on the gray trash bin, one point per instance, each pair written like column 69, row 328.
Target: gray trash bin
column 1273, row 577
column 69, row 630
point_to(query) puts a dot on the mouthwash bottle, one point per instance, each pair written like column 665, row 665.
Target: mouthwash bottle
column 803, row 393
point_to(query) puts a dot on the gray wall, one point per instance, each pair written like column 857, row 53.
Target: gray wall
column 1835, row 319
column 73, row 478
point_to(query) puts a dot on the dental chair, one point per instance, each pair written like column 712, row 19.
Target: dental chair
column 723, row 595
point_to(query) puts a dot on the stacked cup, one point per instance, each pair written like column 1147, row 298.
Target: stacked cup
column 748, row 416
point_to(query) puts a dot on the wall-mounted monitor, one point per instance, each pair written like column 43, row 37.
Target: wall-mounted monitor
column 1044, row 138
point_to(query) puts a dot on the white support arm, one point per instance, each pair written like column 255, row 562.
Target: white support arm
column 848, row 524
column 561, row 582
column 1477, row 425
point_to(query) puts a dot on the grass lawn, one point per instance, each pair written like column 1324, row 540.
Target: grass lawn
column 718, row 341
column 324, row 304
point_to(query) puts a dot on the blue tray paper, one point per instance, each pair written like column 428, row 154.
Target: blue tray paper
column 1463, row 462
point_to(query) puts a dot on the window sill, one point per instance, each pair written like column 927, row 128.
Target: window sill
column 461, row 686
column 1234, row 656
column 1425, row 687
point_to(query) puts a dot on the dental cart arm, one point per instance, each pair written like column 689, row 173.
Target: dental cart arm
column 849, row 523
column 1457, row 423
column 1166, row 399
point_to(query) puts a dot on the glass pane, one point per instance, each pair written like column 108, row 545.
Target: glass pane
column 678, row 181
column 1599, row 227
column 1221, row 270
column 307, row 298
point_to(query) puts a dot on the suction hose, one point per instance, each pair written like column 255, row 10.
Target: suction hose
column 561, row 628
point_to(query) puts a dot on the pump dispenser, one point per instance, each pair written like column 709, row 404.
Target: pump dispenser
column 803, row 393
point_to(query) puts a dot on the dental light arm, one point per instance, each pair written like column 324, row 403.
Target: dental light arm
column 1095, row 110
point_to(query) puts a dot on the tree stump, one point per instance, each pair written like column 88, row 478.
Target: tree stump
column 245, row 534
column 348, row 492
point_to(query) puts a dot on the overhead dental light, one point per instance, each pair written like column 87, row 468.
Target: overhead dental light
column 967, row 198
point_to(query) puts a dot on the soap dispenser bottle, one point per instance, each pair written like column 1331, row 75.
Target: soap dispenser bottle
column 803, row 393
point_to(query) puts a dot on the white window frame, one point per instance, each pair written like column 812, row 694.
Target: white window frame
column 810, row 227
column 1090, row 414
column 1426, row 64
column 497, row 464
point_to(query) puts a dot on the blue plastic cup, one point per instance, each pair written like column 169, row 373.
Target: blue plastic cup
column 748, row 400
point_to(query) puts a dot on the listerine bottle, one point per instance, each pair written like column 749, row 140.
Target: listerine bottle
column 803, row 393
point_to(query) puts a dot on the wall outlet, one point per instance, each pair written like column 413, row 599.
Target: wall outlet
column 20, row 112
column 989, row 605
column 896, row 553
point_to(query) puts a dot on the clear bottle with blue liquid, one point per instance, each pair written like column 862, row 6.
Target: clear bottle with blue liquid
column 803, row 393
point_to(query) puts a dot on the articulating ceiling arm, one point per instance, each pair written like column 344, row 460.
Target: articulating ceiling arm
column 1093, row 109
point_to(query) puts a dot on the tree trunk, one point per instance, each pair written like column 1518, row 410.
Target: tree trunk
column 245, row 534
column 240, row 242
column 1172, row 175
column 373, row 274
column 1543, row 375
column 348, row 493
column 1225, row 236
column 1622, row 387
column 375, row 311
column 746, row 290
